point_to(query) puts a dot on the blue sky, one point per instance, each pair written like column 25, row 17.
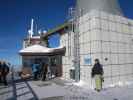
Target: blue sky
column 15, row 16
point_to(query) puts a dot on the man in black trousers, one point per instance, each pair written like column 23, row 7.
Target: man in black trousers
column 5, row 71
column 97, row 73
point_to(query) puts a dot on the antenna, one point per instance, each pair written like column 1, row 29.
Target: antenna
column 32, row 26
column 31, row 29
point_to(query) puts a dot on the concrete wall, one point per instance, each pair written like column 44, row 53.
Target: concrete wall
column 106, row 37
column 67, row 40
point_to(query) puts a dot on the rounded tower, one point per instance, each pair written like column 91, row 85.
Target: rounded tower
column 109, row 6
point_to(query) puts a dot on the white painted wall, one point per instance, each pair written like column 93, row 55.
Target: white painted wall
column 103, row 35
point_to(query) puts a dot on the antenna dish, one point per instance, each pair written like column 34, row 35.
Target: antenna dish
column 44, row 31
column 39, row 31
column 29, row 31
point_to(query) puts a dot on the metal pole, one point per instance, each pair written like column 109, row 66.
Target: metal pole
column 76, row 47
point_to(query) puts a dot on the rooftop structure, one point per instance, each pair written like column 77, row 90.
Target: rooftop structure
column 41, row 50
column 34, row 38
column 35, row 50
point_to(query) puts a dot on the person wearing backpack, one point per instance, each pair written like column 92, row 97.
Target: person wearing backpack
column 97, row 74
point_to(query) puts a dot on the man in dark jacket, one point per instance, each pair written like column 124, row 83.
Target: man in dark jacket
column 5, row 71
column 44, row 71
column 97, row 73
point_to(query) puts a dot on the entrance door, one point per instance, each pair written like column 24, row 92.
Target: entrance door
column 55, row 66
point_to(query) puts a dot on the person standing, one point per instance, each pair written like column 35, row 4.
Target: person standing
column 5, row 71
column 35, row 69
column 44, row 71
column 97, row 74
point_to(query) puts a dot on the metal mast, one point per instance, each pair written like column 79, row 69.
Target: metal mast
column 76, row 45
column 31, row 31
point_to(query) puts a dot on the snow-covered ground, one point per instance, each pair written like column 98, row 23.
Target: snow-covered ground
column 80, row 91
column 116, row 93
column 59, row 89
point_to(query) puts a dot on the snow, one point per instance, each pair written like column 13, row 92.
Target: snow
column 60, row 47
column 84, row 84
column 79, row 91
column 80, row 83
column 123, row 91
column 35, row 37
column 120, row 84
column 52, row 90
column 38, row 49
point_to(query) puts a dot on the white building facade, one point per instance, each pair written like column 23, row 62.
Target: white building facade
column 104, row 36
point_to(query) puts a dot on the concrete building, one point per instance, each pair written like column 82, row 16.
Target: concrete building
column 100, row 31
